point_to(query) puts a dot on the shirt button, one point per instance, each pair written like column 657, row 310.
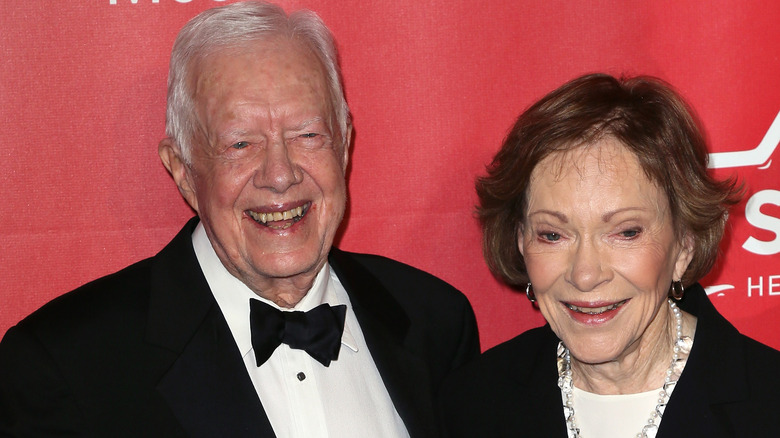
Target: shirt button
column 301, row 376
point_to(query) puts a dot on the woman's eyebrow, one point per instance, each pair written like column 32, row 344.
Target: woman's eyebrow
column 561, row 217
column 606, row 217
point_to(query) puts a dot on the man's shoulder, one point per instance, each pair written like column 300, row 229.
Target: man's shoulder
column 103, row 299
column 387, row 286
column 391, row 271
column 111, row 298
column 410, row 286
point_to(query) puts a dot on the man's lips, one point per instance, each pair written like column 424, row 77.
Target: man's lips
column 280, row 220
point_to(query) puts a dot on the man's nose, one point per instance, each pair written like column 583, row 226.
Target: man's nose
column 587, row 266
column 279, row 170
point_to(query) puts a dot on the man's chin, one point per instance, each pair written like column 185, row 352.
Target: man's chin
column 273, row 268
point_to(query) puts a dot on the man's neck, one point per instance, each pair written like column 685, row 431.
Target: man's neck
column 285, row 292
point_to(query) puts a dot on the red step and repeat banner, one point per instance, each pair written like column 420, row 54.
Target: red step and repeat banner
column 433, row 86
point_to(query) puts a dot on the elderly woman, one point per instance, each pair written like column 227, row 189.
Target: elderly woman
column 599, row 207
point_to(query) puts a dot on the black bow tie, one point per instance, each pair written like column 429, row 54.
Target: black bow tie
column 318, row 331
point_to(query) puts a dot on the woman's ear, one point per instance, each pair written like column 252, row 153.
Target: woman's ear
column 519, row 232
column 684, row 257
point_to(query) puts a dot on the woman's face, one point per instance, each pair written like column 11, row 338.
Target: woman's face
column 601, row 251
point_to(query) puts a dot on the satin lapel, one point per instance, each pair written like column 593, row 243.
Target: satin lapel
column 541, row 412
column 207, row 386
column 385, row 326
column 711, row 379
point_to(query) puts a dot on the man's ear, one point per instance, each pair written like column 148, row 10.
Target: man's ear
column 347, row 144
column 170, row 154
column 684, row 257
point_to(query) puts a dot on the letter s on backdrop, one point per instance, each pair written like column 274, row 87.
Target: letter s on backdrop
column 760, row 220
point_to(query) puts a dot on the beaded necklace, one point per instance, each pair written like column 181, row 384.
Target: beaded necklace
column 681, row 348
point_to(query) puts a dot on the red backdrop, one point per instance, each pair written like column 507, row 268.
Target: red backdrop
column 433, row 86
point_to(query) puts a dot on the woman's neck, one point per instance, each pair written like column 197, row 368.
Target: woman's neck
column 641, row 368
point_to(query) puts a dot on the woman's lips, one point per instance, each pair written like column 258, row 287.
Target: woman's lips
column 596, row 313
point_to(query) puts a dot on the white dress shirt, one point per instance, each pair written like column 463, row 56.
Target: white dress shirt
column 302, row 397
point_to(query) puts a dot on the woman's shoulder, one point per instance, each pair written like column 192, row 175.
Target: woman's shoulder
column 521, row 345
column 761, row 359
column 734, row 389
column 490, row 395
column 514, row 357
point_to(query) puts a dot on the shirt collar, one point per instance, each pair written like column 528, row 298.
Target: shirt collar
column 233, row 296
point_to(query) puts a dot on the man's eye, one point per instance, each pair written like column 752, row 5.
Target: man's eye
column 309, row 135
column 240, row 145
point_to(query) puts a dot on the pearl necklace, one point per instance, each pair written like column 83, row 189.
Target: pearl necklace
column 681, row 347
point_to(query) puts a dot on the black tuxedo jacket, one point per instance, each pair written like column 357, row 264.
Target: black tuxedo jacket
column 728, row 389
column 146, row 352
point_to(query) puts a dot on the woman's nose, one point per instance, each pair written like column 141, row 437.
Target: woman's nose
column 587, row 267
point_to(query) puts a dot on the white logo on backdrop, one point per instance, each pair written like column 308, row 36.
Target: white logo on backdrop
column 761, row 156
column 113, row 2
column 753, row 157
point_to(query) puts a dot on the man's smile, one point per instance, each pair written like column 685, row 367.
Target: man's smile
column 280, row 220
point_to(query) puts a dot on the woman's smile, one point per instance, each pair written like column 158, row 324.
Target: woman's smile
column 593, row 313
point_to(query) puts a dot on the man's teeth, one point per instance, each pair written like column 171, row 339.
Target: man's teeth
column 594, row 310
column 264, row 218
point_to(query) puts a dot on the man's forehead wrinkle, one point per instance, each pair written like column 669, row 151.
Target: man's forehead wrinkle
column 228, row 102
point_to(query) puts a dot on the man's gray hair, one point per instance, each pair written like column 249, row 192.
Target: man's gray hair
column 233, row 26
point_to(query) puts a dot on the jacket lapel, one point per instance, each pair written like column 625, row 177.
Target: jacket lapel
column 207, row 386
column 536, row 373
column 711, row 380
column 385, row 326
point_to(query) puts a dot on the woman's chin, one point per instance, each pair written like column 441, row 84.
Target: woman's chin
column 588, row 354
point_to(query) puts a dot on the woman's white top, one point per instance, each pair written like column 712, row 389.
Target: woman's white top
column 615, row 416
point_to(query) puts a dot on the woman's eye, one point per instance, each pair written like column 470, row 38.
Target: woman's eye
column 550, row 237
column 240, row 145
column 630, row 233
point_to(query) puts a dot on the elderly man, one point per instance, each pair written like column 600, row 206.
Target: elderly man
column 249, row 323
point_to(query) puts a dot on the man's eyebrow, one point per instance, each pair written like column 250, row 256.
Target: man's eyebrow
column 233, row 133
column 304, row 124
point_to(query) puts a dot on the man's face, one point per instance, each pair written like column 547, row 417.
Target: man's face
column 267, row 169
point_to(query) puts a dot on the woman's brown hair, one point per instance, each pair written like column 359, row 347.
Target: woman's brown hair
column 647, row 116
